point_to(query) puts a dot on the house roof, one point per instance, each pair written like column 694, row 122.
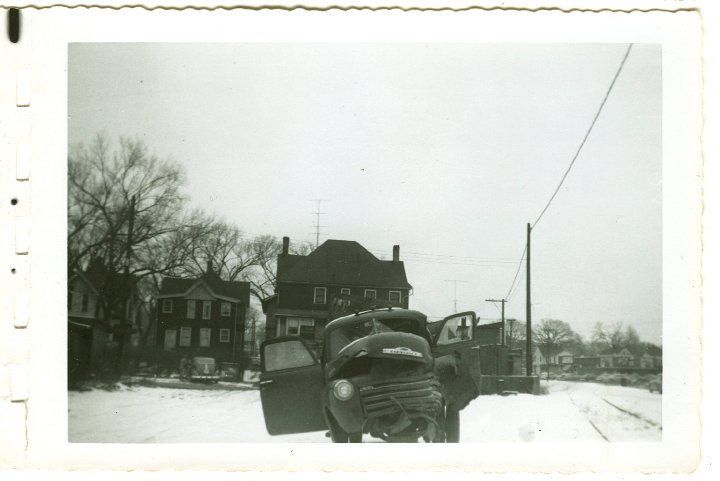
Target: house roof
column 103, row 281
column 342, row 262
column 624, row 352
column 230, row 289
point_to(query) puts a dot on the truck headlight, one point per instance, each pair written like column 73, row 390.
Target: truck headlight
column 343, row 390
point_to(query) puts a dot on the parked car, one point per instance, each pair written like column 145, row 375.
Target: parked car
column 655, row 384
column 381, row 373
column 200, row 369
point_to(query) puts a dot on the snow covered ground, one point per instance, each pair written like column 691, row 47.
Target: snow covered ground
column 569, row 412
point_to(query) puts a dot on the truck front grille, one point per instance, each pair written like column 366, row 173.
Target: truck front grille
column 414, row 395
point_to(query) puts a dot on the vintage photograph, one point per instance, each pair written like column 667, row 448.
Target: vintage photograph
column 365, row 242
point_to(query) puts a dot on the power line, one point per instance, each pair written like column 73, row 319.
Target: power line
column 474, row 264
column 512, row 285
column 512, row 259
column 587, row 134
column 572, row 162
column 420, row 255
column 453, row 260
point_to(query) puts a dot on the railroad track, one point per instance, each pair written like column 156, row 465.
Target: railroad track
column 605, row 433
column 633, row 414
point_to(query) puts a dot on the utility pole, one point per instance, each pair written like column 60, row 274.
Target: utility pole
column 124, row 327
column 317, row 225
column 502, row 313
column 528, row 312
column 455, row 299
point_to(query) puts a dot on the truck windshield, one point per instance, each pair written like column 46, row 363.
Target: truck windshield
column 344, row 335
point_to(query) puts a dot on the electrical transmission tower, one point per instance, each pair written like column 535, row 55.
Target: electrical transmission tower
column 317, row 225
column 455, row 299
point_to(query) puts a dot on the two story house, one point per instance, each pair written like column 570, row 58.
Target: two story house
column 97, row 307
column 337, row 278
column 201, row 317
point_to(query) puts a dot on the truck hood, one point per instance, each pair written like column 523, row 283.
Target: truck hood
column 388, row 345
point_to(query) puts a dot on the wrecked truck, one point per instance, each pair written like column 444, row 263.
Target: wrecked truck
column 381, row 372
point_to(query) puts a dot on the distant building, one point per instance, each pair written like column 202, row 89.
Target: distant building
column 621, row 359
column 648, row 361
column 583, row 364
column 201, row 317
column 625, row 360
column 99, row 310
column 565, row 358
column 337, row 278
column 494, row 355
column 558, row 362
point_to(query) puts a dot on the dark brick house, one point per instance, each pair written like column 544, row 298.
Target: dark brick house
column 336, row 278
column 201, row 317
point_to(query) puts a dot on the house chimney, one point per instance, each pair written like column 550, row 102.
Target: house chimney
column 209, row 266
column 396, row 253
column 286, row 245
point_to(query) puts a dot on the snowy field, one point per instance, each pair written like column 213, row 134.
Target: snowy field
column 585, row 412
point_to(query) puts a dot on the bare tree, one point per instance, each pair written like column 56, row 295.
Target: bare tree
column 219, row 243
column 550, row 336
column 105, row 189
column 608, row 336
column 265, row 250
column 124, row 219
column 233, row 256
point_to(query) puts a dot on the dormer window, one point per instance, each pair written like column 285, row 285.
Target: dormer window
column 320, row 295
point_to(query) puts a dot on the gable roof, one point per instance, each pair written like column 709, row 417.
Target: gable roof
column 177, row 286
column 102, row 281
column 84, row 278
column 342, row 262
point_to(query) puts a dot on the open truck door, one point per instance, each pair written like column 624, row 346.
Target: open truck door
column 456, row 349
column 291, row 386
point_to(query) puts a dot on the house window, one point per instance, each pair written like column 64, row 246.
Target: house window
column 304, row 328
column 167, row 306
column 224, row 335
column 207, row 309
column 345, row 291
column 85, row 302
column 394, row 297
column 185, row 336
column 170, row 339
column 320, row 294
column 205, row 333
column 225, row 309
column 191, row 309
column 370, row 293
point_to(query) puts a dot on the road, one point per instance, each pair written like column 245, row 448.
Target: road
column 569, row 412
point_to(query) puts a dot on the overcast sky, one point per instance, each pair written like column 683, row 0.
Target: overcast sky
column 445, row 149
